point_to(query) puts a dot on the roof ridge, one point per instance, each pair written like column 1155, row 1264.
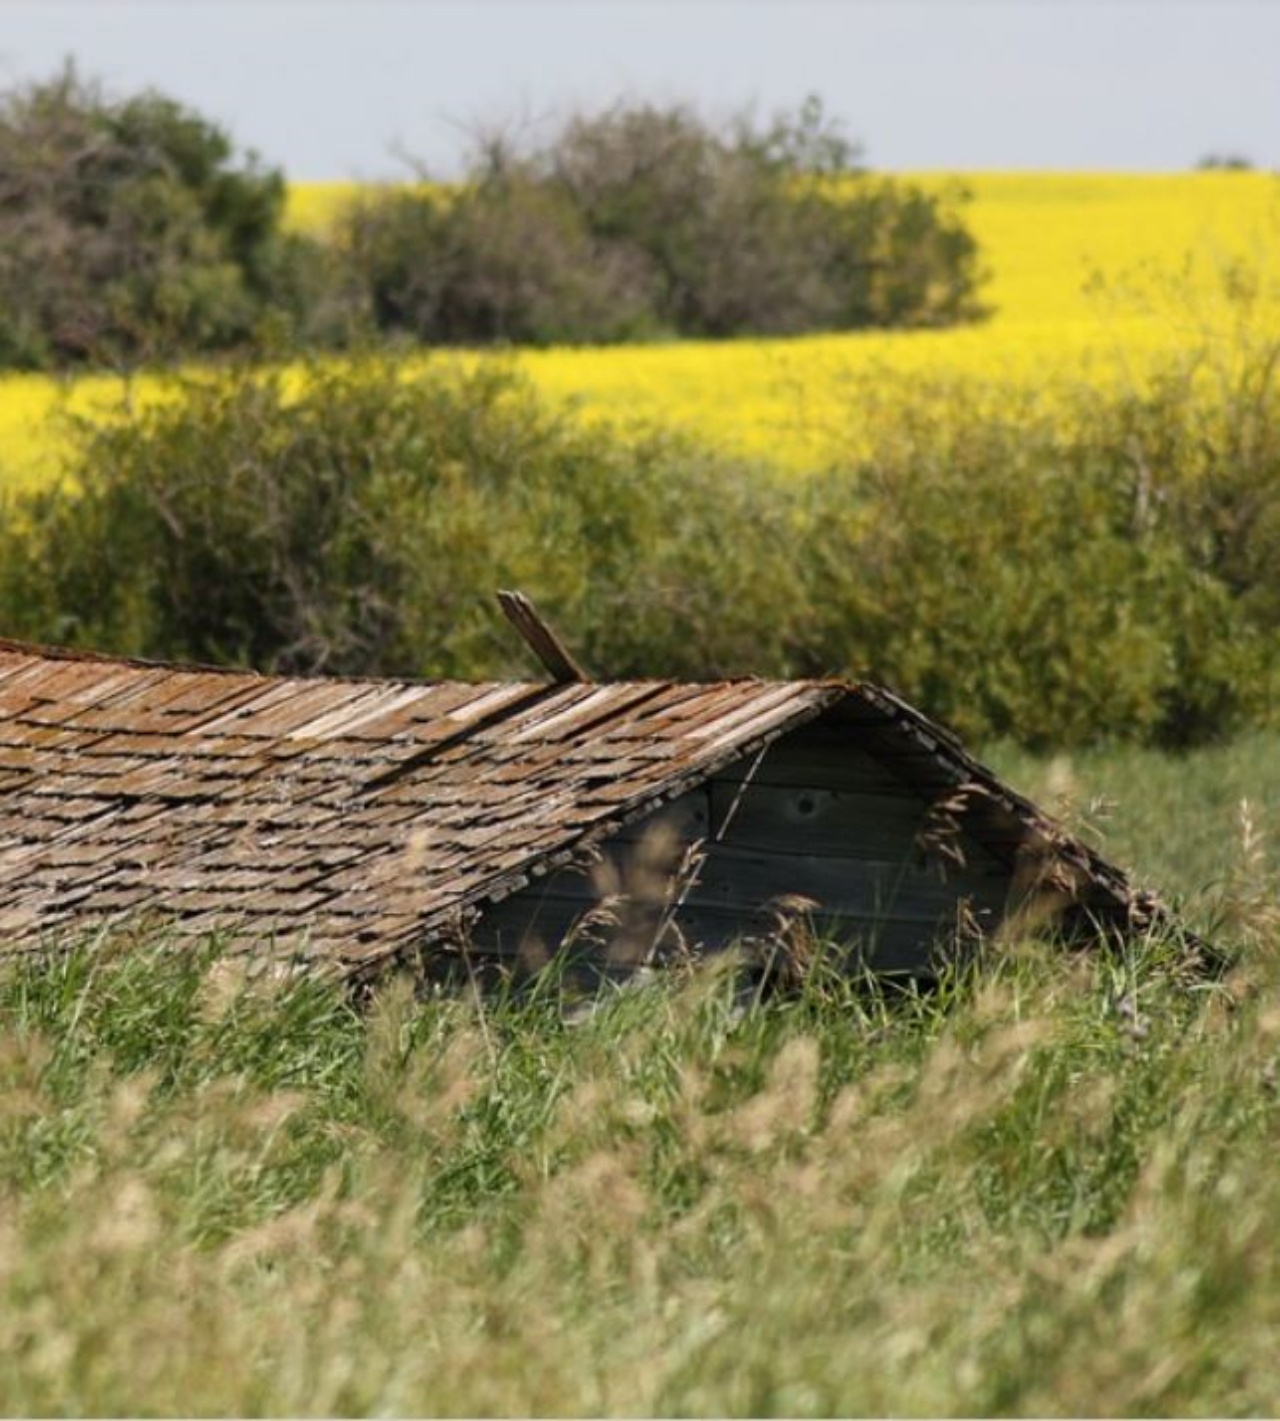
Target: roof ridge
column 50, row 652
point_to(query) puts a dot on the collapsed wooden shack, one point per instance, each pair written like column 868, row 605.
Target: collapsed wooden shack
column 357, row 825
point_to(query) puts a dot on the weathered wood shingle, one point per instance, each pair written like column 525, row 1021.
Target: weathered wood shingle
column 357, row 818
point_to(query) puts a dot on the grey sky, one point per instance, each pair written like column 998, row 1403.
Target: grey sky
column 326, row 89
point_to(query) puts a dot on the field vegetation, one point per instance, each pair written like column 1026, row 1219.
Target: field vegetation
column 1047, row 1189
column 1094, row 280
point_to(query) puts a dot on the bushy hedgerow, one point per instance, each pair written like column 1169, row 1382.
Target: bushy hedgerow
column 132, row 233
column 1111, row 575
column 1027, row 582
column 641, row 220
column 363, row 524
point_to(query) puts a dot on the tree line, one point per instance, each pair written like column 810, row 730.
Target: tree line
column 132, row 232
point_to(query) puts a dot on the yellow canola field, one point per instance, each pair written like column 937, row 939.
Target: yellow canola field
column 312, row 207
column 1092, row 276
column 1096, row 277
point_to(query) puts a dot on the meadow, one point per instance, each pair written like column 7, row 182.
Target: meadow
column 1094, row 278
column 1047, row 1189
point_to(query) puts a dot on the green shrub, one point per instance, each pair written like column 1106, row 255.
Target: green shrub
column 501, row 263
column 1106, row 577
column 1023, row 581
column 640, row 220
column 364, row 524
column 129, row 234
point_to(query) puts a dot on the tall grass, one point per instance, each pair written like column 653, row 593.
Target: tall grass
column 1203, row 827
column 1049, row 1187
column 1052, row 1191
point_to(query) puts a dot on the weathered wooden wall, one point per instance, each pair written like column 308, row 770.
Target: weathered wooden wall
column 815, row 818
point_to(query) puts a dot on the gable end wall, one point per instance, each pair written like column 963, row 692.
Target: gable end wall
column 813, row 818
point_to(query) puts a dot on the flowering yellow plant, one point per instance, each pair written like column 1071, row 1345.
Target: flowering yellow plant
column 1091, row 277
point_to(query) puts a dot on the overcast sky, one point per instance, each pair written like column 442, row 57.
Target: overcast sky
column 330, row 90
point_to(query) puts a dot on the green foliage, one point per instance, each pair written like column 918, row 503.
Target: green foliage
column 1225, row 163
column 639, row 220
column 128, row 233
column 1113, row 574
column 1059, row 581
column 502, row 262
column 363, row 525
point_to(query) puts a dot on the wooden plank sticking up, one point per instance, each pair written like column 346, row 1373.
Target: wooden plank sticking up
column 540, row 639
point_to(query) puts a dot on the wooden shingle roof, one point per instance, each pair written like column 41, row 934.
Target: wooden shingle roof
column 358, row 818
